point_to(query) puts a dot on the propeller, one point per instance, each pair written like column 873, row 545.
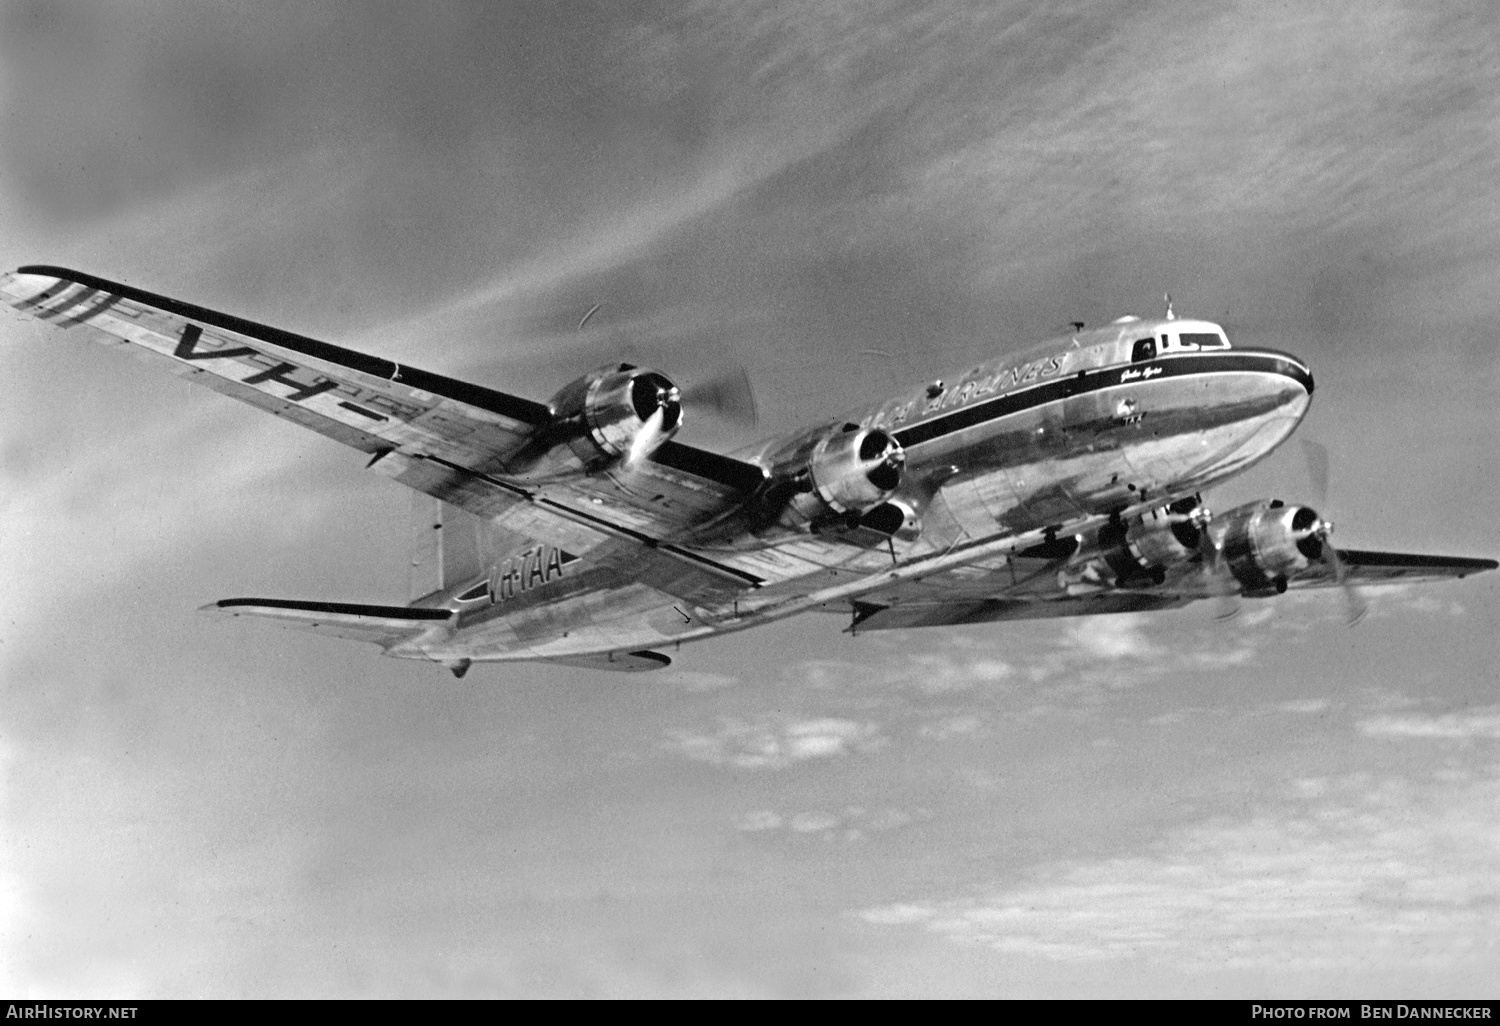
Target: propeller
column 1355, row 606
column 1222, row 584
column 727, row 395
column 1316, row 457
column 1217, row 580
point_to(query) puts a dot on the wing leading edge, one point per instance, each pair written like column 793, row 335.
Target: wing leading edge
column 446, row 437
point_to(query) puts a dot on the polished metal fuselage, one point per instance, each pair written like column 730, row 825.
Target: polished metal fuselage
column 1090, row 425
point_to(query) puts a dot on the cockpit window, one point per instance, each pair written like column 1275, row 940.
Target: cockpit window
column 1145, row 349
column 1201, row 340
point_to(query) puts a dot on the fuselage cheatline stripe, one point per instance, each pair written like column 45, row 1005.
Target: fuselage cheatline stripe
column 1093, row 381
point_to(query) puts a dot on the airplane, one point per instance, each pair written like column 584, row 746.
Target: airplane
column 1063, row 480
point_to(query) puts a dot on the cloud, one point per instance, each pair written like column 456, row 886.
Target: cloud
column 957, row 667
column 1062, row 664
column 1477, row 724
column 951, row 727
column 770, row 743
column 1304, row 706
column 813, row 822
column 761, row 819
column 1401, row 871
column 1112, row 637
column 699, row 681
column 852, row 823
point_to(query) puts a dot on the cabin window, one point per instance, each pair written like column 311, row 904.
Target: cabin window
column 1145, row 349
column 1202, row 340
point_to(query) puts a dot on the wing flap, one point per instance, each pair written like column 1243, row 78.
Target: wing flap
column 382, row 625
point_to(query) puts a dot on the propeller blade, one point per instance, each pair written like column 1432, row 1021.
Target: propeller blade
column 1354, row 603
column 647, row 439
column 1316, row 457
column 1227, row 602
column 1219, row 581
column 727, row 396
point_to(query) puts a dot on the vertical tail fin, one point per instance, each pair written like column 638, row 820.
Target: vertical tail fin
column 448, row 546
column 425, row 539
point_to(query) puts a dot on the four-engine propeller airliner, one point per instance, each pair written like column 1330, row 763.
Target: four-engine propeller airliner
column 1061, row 481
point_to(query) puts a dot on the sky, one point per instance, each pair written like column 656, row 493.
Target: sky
column 843, row 198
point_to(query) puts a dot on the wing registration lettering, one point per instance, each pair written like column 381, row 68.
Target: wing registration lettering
column 280, row 371
column 528, row 570
column 187, row 347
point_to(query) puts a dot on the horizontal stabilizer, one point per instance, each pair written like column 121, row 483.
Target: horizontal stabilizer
column 381, row 625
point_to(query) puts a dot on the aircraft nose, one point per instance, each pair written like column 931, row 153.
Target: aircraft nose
column 1299, row 371
column 1288, row 369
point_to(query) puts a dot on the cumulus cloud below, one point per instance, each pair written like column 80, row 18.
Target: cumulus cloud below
column 1476, row 724
column 1407, row 874
column 851, row 823
column 773, row 743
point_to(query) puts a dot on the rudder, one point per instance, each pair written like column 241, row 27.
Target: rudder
column 449, row 546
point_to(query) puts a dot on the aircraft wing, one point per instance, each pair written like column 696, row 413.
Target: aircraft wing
column 1019, row 588
column 1362, row 567
column 446, row 437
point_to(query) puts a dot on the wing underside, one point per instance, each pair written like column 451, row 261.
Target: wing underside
column 1366, row 567
column 436, row 434
column 1009, row 590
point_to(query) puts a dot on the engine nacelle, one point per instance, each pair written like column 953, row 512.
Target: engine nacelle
column 1141, row 549
column 830, row 479
column 1266, row 542
column 614, row 414
column 853, row 471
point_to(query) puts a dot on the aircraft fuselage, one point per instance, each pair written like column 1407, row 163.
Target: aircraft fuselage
column 1113, row 421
